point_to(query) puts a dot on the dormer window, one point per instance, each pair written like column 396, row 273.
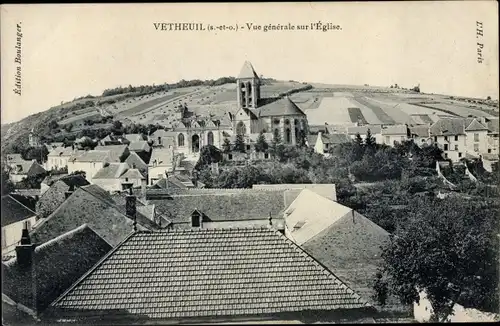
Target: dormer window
column 196, row 218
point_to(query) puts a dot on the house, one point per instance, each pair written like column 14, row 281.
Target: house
column 95, row 207
column 476, row 137
column 393, row 134
column 420, row 135
column 164, row 138
column 40, row 273
column 89, row 162
column 323, row 142
column 12, row 160
column 134, row 161
column 375, row 130
column 160, row 163
column 217, row 208
column 15, row 217
column 493, row 141
column 218, row 275
column 109, row 176
column 342, row 240
column 58, row 192
column 139, row 146
column 117, row 153
column 25, row 169
column 489, row 160
column 132, row 178
column 58, row 158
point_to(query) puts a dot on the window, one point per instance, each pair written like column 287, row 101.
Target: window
column 126, row 179
column 445, row 147
column 489, row 150
column 435, row 139
column 456, row 147
column 159, row 140
column 445, row 155
column 196, row 219
column 423, row 140
column 248, row 147
column 210, row 138
column 445, row 137
column 230, row 156
column 476, row 137
column 476, row 147
column 266, row 155
column 459, row 154
column 456, row 138
column 180, row 140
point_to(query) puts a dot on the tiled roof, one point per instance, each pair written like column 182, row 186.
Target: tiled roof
column 115, row 151
column 219, row 272
column 56, row 194
column 163, row 133
column 111, row 171
column 247, row 71
column 173, row 182
column 281, row 107
column 93, row 207
column 61, row 151
column 14, row 158
column 91, row 156
column 132, row 174
column 335, row 138
column 13, row 211
column 362, row 130
column 134, row 160
column 162, row 157
column 133, row 137
column 138, row 146
column 449, row 126
column 58, row 264
column 221, row 206
column 475, row 126
column 420, row 131
column 395, row 130
column 28, row 168
column 326, row 190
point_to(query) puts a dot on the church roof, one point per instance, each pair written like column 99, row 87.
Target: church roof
column 281, row 107
column 247, row 71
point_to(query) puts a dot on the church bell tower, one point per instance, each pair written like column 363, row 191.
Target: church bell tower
column 248, row 87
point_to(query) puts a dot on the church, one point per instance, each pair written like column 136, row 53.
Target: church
column 254, row 114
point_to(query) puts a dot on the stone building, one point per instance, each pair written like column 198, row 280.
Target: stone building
column 256, row 114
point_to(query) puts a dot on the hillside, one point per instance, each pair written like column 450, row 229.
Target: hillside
column 157, row 105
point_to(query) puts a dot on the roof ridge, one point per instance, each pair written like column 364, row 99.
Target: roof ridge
column 62, row 236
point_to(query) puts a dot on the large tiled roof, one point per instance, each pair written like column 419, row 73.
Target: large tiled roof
column 132, row 174
column 134, row 160
column 475, row 126
column 138, row 146
column 208, row 273
column 58, row 263
column 395, row 130
column 493, row 125
column 420, row 131
column 13, row 211
column 94, row 207
column 247, row 71
column 281, row 107
column 61, row 151
column 449, row 126
column 92, row 156
column 111, row 171
column 115, row 151
column 162, row 156
column 222, row 206
column 329, row 139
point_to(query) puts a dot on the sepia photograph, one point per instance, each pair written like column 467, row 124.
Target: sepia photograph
column 250, row 163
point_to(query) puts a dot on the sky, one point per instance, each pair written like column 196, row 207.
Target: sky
column 73, row 50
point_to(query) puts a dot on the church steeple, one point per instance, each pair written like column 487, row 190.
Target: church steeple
column 248, row 87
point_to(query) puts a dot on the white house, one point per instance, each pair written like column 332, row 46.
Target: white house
column 117, row 176
column 394, row 134
column 15, row 216
column 449, row 135
column 89, row 162
column 323, row 142
column 58, row 157
column 22, row 170
column 160, row 163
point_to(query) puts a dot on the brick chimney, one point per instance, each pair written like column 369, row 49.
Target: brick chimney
column 130, row 207
column 25, row 260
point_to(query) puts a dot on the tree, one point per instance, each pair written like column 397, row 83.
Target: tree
column 358, row 140
column 276, row 145
column 226, row 146
column 7, row 185
column 302, row 138
column 208, row 154
column 370, row 140
column 449, row 249
column 117, row 125
column 261, row 144
column 239, row 143
column 488, row 98
column 68, row 127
